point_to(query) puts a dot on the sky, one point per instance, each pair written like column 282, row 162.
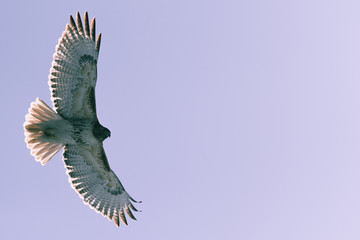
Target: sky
column 229, row 119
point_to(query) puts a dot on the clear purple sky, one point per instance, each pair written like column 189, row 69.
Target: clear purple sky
column 229, row 119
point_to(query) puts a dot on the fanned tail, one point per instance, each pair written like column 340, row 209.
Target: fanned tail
column 37, row 131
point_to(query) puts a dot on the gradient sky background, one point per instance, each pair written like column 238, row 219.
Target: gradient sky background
column 229, row 119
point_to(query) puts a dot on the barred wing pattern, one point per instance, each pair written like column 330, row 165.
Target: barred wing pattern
column 98, row 187
column 73, row 73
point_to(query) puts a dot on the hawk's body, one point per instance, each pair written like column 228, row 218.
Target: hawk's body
column 74, row 125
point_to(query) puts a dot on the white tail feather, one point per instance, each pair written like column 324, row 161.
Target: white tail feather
column 41, row 146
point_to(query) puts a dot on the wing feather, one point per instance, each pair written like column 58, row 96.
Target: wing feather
column 72, row 22
column 93, row 29
column 128, row 211
column 98, row 41
column 98, row 187
column 122, row 217
column 86, row 22
column 74, row 70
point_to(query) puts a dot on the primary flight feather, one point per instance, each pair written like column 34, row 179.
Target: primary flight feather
column 74, row 125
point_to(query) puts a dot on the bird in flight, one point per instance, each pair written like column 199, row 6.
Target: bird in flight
column 73, row 124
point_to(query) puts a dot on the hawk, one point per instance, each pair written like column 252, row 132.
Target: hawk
column 73, row 124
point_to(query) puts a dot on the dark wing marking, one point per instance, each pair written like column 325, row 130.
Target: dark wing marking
column 91, row 98
column 104, row 160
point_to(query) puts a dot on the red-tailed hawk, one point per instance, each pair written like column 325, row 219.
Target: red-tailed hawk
column 74, row 125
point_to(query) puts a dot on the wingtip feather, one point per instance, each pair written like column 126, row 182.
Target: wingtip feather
column 133, row 208
column 131, row 215
column 122, row 216
column 93, row 28
column 72, row 23
column 79, row 23
column 98, row 42
column 86, row 23
column 116, row 220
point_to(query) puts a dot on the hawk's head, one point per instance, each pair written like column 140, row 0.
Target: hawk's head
column 100, row 132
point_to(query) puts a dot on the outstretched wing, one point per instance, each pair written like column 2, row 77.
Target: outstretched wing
column 98, row 186
column 73, row 73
